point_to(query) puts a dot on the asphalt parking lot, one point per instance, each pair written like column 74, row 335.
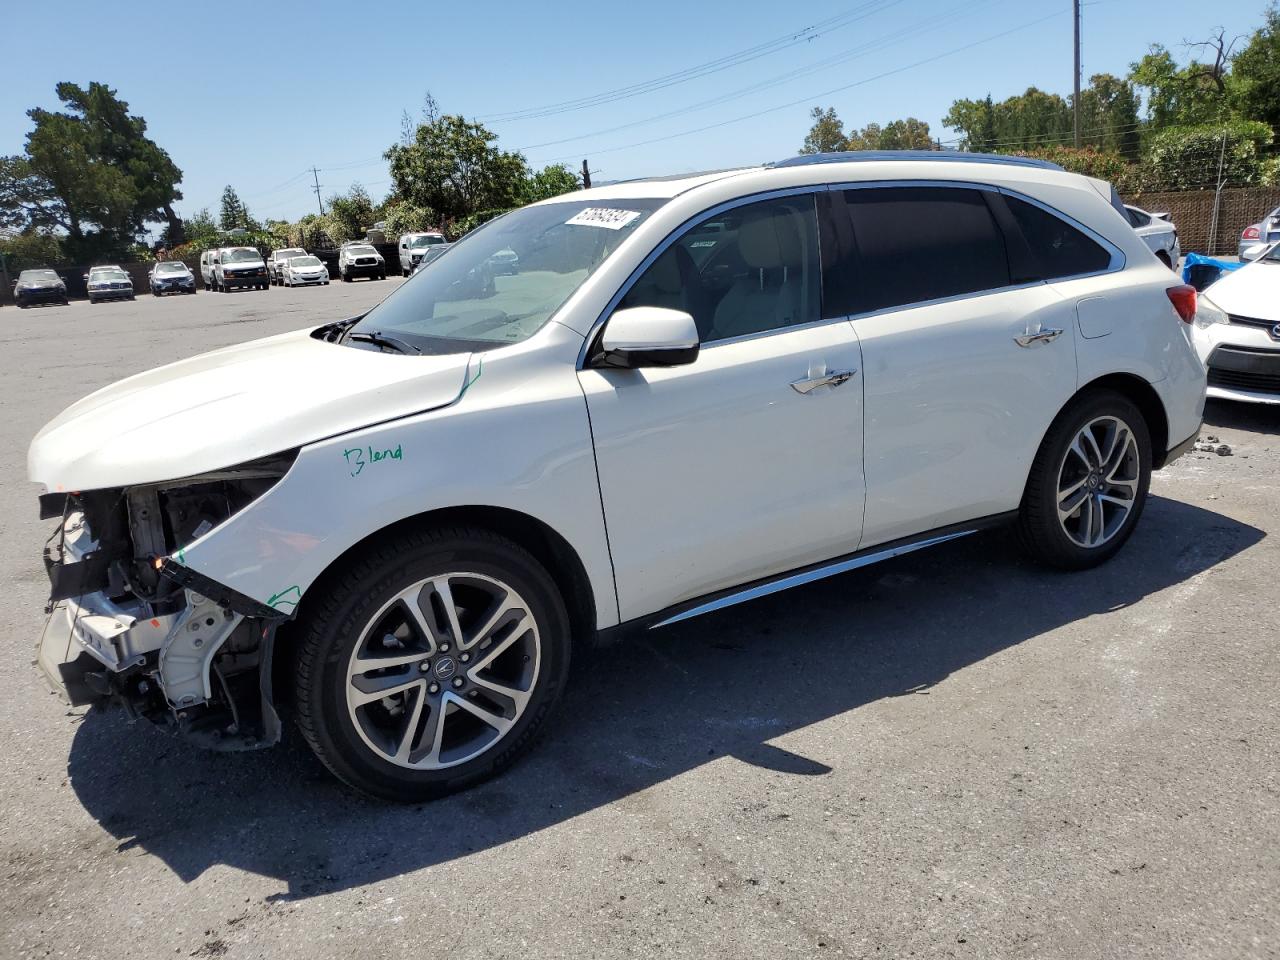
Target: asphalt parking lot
column 952, row 754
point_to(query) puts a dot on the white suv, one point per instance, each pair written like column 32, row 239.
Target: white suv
column 688, row 393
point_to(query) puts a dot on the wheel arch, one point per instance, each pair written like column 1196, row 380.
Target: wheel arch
column 1142, row 395
column 548, row 547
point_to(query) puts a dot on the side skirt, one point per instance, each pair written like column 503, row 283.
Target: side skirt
column 795, row 578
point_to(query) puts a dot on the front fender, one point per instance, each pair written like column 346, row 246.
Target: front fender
column 518, row 438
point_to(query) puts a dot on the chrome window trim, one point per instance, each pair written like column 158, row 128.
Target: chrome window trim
column 679, row 232
column 1117, row 263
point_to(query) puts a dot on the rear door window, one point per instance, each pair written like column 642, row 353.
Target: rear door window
column 916, row 244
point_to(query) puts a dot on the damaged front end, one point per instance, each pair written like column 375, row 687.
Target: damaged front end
column 130, row 623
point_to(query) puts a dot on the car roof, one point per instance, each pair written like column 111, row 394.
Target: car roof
column 864, row 160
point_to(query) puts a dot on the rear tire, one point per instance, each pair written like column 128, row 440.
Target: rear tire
column 511, row 628
column 1088, row 483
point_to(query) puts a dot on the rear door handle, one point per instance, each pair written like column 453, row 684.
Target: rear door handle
column 1040, row 336
column 809, row 384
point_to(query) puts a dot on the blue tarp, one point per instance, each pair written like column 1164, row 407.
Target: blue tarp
column 1200, row 271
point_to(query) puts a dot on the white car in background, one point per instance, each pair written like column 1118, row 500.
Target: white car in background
column 108, row 283
column 304, row 270
column 1237, row 331
column 415, row 246
column 277, row 260
column 1256, row 237
column 359, row 258
column 1157, row 232
column 687, row 393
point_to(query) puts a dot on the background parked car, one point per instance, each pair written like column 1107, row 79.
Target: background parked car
column 433, row 253
column 239, row 267
column 1157, row 232
column 277, row 260
column 1255, row 237
column 1237, row 331
column 171, row 276
column 39, row 286
column 108, row 283
column 360, row 259
column 414, row 247
column 303, row 271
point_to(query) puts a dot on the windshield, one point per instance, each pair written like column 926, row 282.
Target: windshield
column 289, row 254
column 240, row 256
column 426, row 241
column 171, row 268
column 363, row 251
column 37, row 275
column 504, row 280
column 304, row 261
column 108, row 273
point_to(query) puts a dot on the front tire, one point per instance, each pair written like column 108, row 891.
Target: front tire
column 431, row 662
column 1088, row 483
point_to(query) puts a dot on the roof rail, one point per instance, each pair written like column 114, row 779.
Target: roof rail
column 950, row 156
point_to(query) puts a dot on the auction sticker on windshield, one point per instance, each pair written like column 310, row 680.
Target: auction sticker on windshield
column 605, row 217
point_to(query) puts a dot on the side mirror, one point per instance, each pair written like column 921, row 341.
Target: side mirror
column 648, row 337
column 86, row 277
column 1254, row 252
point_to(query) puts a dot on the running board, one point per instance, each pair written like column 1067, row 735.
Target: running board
column 830, row 568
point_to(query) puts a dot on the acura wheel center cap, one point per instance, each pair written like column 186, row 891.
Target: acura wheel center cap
column 445, row 667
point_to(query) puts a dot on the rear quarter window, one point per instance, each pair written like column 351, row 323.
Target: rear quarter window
column 1060, row 249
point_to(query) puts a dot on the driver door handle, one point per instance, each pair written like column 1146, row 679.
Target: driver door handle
column 1029, row 339
column 809, row 384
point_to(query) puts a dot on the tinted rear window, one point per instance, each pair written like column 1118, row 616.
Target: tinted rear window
column 1061, row 249
column 916, row 244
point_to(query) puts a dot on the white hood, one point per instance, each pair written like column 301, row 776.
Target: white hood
column 233, row 405
column 1251, row 291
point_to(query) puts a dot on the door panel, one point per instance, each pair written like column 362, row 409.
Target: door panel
column 956, row 408
column 720, row 472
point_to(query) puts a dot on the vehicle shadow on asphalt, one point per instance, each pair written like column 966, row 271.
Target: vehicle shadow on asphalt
column 723, row 685
column 1262, row 418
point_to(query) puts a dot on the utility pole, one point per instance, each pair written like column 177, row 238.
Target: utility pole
column 586, row 176
column 1075, row 103
column 315, row 174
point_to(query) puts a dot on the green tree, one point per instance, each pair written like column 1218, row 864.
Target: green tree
column 1255, row 74
column 454, row 167
column 550, row 182
column 350, row 215
column 908, row 134
column 234, row 213
column 1184, row 96
column 90, row 171
column 1197, row 157
column 1033, row 118
column 403, row 216
column 1109, row 116
column 121, row 141
column 827, row 133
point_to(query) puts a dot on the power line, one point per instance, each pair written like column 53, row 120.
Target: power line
column 826, row 93
column 803, row 35
column 835, row 60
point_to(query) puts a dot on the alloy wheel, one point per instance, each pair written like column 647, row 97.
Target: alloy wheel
column 1098, row 481
column 443, row 671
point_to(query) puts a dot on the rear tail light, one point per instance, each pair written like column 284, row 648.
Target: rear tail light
column 1251, row 233
column 1183, row 298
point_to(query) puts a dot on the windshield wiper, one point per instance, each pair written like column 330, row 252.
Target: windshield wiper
column 382, row 340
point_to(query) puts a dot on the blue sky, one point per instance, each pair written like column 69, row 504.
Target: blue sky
column 291, row 86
